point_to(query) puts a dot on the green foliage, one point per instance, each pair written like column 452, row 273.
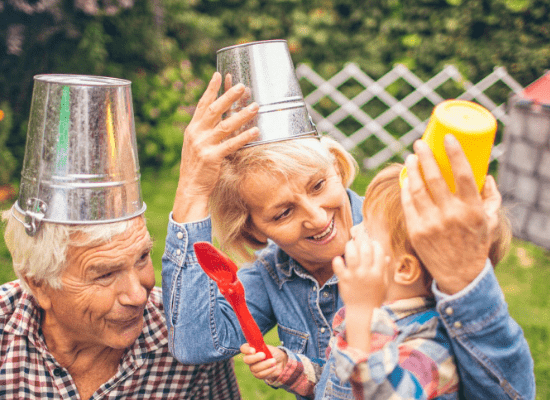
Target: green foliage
column 148, row 41
column 162, row 110
column 7, row 160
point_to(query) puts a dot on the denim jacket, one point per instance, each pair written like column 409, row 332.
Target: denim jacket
column 202, row 325
column 492, row 354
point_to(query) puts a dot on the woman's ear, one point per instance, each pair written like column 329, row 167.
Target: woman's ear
column 251, row 233
column 40, row 292
column 408, row 270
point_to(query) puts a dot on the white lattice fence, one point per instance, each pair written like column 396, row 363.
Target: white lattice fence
column 377, row 126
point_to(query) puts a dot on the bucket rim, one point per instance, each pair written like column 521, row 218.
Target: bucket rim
column 81, row 80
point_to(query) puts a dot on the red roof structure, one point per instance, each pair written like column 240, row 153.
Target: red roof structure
column 539, row 91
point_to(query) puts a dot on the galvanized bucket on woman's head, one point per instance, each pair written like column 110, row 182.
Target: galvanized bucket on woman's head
column 81, row 164
column 267, row 71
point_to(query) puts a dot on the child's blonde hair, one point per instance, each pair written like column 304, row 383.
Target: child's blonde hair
column 383, row 195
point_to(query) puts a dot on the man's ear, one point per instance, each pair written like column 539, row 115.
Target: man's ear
column 408, row 270
column 40, row 291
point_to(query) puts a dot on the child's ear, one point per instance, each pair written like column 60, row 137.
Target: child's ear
column 408, row 270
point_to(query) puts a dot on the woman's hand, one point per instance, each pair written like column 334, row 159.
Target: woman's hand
column 206, row 144
column 362, row 283
column 451, row 233
column 261, row 368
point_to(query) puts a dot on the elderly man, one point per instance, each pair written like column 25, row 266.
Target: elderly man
column 84, row 319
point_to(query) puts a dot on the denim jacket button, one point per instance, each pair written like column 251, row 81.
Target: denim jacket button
column 323, row 330
column 458, row 324
column 178, row 252
column 449, row 311
column 180, row 235
column 325, row 294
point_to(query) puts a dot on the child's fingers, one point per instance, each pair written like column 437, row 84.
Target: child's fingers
column 339, row 267
column 264, row 369
column 351, row 254
column 251, row 359
column 247, row 349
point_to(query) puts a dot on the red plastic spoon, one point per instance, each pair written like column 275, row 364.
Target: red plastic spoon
column 223, row 271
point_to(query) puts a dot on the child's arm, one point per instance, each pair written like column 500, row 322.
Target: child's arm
column 362, row 283
column 292, row 372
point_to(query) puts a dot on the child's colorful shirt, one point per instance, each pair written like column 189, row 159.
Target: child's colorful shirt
column 410, row 358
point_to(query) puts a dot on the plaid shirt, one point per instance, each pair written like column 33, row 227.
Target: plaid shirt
column 147, row 369
column 411, row 357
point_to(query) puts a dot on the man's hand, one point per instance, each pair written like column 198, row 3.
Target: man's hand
column 451, row 233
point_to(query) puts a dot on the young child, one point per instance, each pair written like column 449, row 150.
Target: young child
column 400, row 350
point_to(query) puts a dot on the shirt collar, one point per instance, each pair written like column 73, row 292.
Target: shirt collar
column 400, row 309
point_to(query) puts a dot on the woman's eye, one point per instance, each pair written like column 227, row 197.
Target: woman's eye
column 284, row 214
column 319, row 185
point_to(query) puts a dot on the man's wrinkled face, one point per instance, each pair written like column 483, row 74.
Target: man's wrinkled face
column 105, row 289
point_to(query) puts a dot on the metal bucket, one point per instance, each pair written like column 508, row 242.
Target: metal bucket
column 267, row 71
column 81, row 164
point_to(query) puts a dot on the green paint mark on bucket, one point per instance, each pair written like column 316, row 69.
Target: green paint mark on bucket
column 63, row 140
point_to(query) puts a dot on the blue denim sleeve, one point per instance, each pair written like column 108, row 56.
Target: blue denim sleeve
column 202, row 326
column 492, row 354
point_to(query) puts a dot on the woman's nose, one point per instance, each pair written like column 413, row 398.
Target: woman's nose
column 316, row 216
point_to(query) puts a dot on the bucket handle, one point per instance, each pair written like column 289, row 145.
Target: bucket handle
column 33, row 219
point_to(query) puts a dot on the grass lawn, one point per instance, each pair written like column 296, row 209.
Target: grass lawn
column 524, row 276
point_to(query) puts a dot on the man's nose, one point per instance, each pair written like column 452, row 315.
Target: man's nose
column 133, row 291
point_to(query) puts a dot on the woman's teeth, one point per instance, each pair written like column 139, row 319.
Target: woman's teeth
column 325, row 233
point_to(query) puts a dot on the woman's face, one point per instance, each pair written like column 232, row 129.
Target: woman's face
column 309, row 217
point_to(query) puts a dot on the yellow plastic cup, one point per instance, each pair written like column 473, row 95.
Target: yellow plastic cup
column 473, row 126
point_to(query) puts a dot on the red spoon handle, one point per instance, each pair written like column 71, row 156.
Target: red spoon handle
column 250, row 329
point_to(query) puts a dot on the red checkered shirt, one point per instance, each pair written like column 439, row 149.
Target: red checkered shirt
column 147, row 369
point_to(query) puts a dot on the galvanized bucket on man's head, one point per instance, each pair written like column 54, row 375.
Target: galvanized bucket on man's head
column 267, row 71
column 81, row 164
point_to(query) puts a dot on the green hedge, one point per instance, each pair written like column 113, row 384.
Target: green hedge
column 167, row 48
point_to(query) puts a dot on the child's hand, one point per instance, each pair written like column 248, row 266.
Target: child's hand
column 261, row 368
column 363, row 276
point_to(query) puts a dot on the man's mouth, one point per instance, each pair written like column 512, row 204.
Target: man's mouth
column 326, row 233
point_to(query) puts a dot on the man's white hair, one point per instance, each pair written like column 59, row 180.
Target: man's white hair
column 43, row 257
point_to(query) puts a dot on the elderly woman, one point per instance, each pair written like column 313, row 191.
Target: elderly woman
column 290, row 200
column 85, row 319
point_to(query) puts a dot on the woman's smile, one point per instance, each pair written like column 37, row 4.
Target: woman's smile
column 308, row 217
column 327, row 235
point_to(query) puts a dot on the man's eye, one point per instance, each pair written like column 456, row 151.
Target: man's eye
column 106, row 276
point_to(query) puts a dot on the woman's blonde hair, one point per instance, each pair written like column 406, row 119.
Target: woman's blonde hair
column 43, row 257
column 230, row 214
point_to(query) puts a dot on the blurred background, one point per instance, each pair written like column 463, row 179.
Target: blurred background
column 167, row 48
